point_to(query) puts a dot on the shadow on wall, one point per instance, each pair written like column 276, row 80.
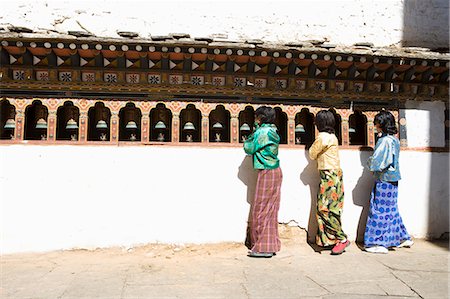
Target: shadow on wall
column 438, row 209
column 248, row 175
column 361, row 192
column 310, row 177
column 426, row 24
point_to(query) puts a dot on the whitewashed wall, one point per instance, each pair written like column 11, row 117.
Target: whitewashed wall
column 425, row 123
column 59, row 197
column 382, row 22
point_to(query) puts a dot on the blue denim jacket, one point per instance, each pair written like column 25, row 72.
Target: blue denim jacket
column 384, row 161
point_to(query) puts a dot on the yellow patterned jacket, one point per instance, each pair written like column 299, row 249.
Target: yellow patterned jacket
column 325, row 151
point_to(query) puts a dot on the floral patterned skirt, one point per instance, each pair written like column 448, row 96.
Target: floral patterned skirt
column 384, row 224
column 330, row 201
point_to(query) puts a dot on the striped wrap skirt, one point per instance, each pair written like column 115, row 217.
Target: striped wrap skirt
column 262, row 230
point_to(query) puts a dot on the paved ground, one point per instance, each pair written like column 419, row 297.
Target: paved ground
column 224, row 271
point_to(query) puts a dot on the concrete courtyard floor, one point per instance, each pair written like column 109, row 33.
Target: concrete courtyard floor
column 224, row 271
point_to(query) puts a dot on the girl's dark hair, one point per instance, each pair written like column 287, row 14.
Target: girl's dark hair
column 266, row 114
column 325, row 121
column 386, row 121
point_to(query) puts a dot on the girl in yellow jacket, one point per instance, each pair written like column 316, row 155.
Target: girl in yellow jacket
column 330, row 198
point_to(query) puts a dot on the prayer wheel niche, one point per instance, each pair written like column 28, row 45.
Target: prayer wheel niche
column 190, row 120
column 161, row 124
column 246, row 121
column 337, row 125
column 357, row 128
column 67, row 122
column 219, row 125
column 304, row 127
column 36, row 117
column 130, row 123
column 99, row 123
column 7, row 120
column 281, row 123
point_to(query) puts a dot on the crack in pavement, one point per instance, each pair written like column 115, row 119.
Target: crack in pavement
column 411, row 288
column 392, row 269
column 124, row 283
column 244, row 284
column 329, row 293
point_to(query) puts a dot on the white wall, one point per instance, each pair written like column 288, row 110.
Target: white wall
column 59, row 197
column 425, row 123
column 426, row 23
column 382, row 22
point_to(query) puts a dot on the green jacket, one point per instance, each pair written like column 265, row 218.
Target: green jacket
column 263, row 145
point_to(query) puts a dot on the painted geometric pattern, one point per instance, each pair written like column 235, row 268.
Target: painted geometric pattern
column 431, row 90
column 176, row 79
column 199, row 66
column 218, row 67
column 281, row 70
column 110, row 77
column 260, row 83
column 359, row 87
column 300, row 84
column 321, row 72
column 154, row 79
column 260, row 69
column 40, row 60
column 340, row 86
column 281, row 83
column 65, row 76
column 218, row 81
column 154, row 64
column 132, row 63
column 395, row 88
column 87, row 62
column 88, row 77
column 15, row 60
column 109, row 63
column 176, row 65
column 240, row 67
column 18, row 75
column 42, row 75
column 360, row 74
column 197, row 80
column 320, row 85
column 239, row 82
column 132, row 78
column 376, row 87
column 63, row 61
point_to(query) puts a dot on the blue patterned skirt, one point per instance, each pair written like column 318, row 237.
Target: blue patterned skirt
column 384, row 224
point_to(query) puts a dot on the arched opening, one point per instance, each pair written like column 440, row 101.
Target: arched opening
column 99, row 123
column 246, row 121
column 190, row 121
column 219, row 125
column 36, row 116
column 337, row 126
column 281, row 123
column 304, row 127
column 130, row 123
column 160, row 124
column 357, row 128
column 67, row 120
column 7, row 120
